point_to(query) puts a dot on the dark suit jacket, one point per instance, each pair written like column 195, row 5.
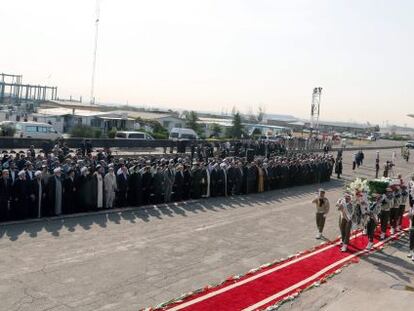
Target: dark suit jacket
column 20, row 194
column 50, row 195
column 28, row 178
column 179, row 186
column 122, row 182
column 5, row 189
column 13, row 176
column 69, row 195
column 5, row 196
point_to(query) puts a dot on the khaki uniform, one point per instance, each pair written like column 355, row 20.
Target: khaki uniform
column 346, row 211
column 386, row 206
column 322, row 209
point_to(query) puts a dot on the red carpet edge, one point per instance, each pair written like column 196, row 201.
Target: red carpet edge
column 288, row 294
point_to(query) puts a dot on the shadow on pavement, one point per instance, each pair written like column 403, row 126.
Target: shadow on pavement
column 161, row 211
column 398, row 268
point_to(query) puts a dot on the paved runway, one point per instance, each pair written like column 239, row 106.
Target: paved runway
column 134, row 259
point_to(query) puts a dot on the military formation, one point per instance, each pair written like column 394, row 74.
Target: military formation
column 383, row 212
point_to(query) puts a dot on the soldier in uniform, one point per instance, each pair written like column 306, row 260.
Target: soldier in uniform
column 346, row 211
column 322, row 209
column 338, row 167
column 404, row 198
column 395, row 209
column 411, row 215
column 386, row 206
column 372, row 218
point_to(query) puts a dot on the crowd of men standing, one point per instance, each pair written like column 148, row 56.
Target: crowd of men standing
column 60, row 182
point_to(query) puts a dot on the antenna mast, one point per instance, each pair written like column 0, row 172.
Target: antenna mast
column 315, row 108
column 95, row 51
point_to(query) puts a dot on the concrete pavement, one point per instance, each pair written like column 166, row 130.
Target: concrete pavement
column 381, row 281
column 141, row 257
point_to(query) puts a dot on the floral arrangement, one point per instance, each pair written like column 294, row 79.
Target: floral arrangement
column 379, row 185
column 358, row 185
column 365, row 188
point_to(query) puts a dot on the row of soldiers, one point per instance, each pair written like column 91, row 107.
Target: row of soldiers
column 48, row 187
column 385, row 211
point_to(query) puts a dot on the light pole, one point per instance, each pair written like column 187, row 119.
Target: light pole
column 95, row 51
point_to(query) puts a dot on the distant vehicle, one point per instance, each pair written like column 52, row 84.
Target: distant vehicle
column 271, row 138
column 7, row 123
column 36, row 130
column 183, row 134
column 372, row 138
column 362, row 136
column 410, row 145
column 349, row 135
column 133, row 135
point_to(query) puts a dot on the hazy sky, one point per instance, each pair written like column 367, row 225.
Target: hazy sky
column 216, row 54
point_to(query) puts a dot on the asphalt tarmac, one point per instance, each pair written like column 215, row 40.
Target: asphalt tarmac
column 144, row 256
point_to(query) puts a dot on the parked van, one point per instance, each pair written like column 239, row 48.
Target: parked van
column 183, row 134
column 410, row 144
column 133, row 135
column 36, row 130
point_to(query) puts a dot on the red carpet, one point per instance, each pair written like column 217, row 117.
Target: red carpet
column 277, row 282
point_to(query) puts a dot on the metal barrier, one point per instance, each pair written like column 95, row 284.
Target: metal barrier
column 24, row 143
column 19, row 143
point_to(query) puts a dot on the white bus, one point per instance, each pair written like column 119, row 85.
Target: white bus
column 36, row 130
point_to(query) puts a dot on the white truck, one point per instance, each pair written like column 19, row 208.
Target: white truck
column 183, row 134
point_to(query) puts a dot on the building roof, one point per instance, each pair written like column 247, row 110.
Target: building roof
column 69, row 111
column 346, row 124
column 115, row 118
column 297, row 123
column 109, row 115
column 280, row 117
column 145, row 115
column 266, row 126
column 113, row 114
column 72, row 103
column 221, row 122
